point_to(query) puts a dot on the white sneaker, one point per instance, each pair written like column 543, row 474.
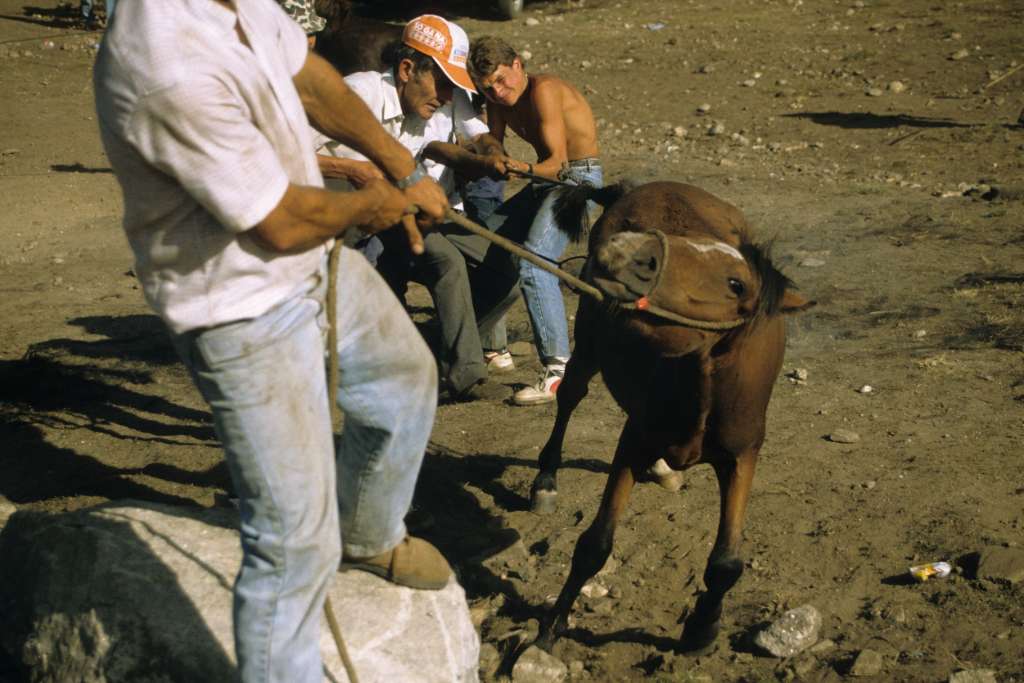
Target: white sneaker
column 544, row 390
column 499, row 361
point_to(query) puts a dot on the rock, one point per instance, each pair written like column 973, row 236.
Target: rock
column 792, row 633
column 7, row 508
column 973, row 676
column 537, row 666
column 812, row 262
column 865, row 389
column 749, row 83
column 706, row 69
column 525, row 55
column 594, row 590
column 490, row 660
column 680, row 132
column 867, row 663
column 141, row 591
column 960, row 54
column 873, row 92
column 1001, row 565
column 704, row 108
column 844, row 436
column 822, row 646
column 897, row 86
column 717, row 128
column 532, row 21
column 586, row 64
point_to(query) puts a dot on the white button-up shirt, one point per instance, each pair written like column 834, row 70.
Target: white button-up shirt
column 205, row 134
column 454, row 118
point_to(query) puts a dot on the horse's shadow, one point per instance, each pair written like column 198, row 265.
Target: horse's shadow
column 870, row 121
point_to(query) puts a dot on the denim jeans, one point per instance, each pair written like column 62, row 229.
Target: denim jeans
column 88, row 12
column 301, row 492
column 533, row 209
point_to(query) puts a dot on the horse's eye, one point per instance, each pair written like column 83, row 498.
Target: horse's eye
column 737, row 287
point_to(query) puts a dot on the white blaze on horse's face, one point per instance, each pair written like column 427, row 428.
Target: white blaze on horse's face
column 705, row 247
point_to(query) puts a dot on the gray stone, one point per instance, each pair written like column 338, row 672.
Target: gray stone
column 142, row 592
column 537, row 666
column 792, row 633
column 867, row 663
column 1002, row 565
column 844, row 436
column 513, row 561
column 973, row 676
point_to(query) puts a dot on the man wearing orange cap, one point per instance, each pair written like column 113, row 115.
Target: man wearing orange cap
column 423, row 101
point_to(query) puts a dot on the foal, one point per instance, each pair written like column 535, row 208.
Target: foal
column 694, row 380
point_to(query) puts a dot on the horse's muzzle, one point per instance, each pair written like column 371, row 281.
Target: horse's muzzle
column 628, row 266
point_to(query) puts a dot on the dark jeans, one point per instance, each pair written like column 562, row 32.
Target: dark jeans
column 472, row 286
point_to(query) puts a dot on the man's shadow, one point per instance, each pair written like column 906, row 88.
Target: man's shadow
column 102, row 386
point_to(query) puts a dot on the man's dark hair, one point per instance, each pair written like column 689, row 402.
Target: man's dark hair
column 487, row 54
column 395, row 52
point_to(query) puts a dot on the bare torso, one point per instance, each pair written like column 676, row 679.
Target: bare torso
column 526, row 119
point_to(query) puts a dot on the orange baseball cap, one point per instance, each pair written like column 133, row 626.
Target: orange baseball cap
column 446, row 42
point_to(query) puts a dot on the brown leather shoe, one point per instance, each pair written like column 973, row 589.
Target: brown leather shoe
column 413, row 563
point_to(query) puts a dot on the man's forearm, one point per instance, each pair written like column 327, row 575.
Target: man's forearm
column 340, row 114
column 309, row 216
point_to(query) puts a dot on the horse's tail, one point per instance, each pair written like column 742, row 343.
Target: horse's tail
column 571, row 205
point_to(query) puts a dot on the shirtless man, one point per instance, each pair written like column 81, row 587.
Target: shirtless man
column 556, row 120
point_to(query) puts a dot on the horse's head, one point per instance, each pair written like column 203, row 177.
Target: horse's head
column 688, row 290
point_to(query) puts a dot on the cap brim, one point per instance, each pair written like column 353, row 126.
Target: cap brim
column 457, row 75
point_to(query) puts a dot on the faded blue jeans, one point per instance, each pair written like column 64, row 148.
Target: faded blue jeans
column 533, row 206
column 88, row 11
column 301, row 492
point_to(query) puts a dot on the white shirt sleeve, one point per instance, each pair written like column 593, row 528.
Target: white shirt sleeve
column 197, row 133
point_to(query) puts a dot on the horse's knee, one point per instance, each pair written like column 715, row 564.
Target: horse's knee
column 722, row 573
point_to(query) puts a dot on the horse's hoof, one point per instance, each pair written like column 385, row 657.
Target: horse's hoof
column 666, row 477
column 544, row 502
column 698, row 641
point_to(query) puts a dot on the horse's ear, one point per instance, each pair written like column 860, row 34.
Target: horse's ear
column 794, row 302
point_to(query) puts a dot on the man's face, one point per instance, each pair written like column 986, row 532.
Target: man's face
column 424, row 92
column 505, row 84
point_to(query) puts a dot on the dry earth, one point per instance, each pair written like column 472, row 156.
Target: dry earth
column 853, row 133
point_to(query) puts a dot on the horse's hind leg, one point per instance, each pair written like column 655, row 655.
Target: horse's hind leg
column 580, row 370
column 724, row 565
column 595, row 544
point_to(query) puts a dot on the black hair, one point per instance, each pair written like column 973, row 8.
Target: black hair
column 395, row 52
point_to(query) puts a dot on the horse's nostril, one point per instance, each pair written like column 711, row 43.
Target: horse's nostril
column 652, row 264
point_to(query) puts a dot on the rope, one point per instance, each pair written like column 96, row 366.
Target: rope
column 333, row 373
column 642, row 304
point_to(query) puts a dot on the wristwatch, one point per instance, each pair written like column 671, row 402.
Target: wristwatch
column 418, row 174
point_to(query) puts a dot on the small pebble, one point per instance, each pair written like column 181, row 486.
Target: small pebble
column 716, row 129
column 874, row 92
column 920, row 334
column 866, row 389
column 680, row 132
column 897, row 86
column 532, row 21
column 960, row 54
column 749, row 83
column 704, row 108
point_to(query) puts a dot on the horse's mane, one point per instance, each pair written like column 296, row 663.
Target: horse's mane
column 773, row 282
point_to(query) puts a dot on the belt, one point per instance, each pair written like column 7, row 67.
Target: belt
column 588, row 163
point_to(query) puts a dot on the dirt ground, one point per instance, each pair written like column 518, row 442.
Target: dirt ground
column 872, row 140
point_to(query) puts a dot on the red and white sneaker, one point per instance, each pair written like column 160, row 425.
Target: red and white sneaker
column 499, row 361
column 544, row 390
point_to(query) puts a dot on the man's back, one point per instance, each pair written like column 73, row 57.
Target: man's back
column 205, row 133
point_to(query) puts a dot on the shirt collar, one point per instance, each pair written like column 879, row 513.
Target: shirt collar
column 392, row 105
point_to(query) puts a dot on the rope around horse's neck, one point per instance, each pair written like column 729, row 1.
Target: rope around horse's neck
column 641, row 305
column 333, row 374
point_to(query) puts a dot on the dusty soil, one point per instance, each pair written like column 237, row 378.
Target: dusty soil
column 868, row 197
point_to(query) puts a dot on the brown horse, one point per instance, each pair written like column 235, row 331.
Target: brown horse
column 695, row 387
column 350, row 42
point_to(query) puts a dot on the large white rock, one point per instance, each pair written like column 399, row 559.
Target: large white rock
column 142, row 592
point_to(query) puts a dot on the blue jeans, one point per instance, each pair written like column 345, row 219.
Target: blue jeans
column 534, row 206
column 301, row 492
column 88, row 12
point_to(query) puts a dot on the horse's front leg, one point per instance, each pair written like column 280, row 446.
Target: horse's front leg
column 580, row 370
column 595, row 544
column 724, row 566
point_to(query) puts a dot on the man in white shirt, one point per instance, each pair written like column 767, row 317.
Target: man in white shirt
column 203, row 109
column 422, row 100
